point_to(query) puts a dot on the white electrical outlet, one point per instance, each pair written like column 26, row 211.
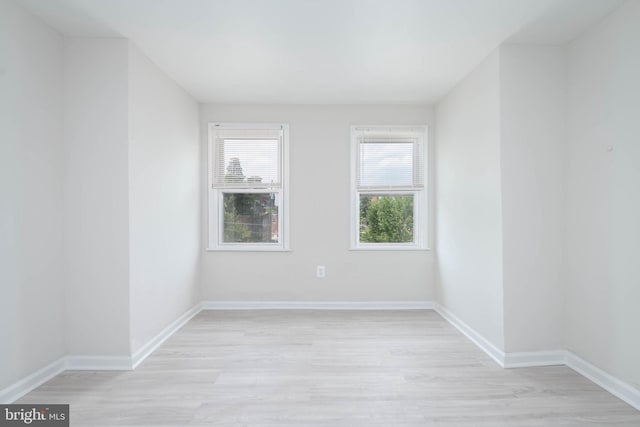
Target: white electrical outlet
column 321, row 271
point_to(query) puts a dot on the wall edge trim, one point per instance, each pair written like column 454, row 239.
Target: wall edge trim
column 317, row 305
column 23, row 386
column 152, row 345
column 621, row 389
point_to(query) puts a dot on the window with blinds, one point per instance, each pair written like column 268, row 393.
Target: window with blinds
column 248, row 158
column 248, row 195
column 388, row 187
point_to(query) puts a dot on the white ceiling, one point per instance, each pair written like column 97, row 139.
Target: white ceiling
column 322, row 51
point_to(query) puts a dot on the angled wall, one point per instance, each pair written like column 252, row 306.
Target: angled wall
column 500, row 147
column 101, row 233
column 569, row 202
column 164, row 200
column 132, row 198
column 469, row 202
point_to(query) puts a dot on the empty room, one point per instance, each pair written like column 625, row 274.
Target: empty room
column 320, row 213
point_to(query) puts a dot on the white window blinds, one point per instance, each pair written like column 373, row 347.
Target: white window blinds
column 247, row 158
column 389, row 158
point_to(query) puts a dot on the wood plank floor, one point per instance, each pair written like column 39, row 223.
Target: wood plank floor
column 329, row 368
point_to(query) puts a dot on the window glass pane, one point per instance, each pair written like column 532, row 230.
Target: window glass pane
column 386, row 218
column 251, row 161
column 386, row 164
column 251, row 217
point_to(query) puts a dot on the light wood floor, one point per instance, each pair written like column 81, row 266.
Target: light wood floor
column 329, row 368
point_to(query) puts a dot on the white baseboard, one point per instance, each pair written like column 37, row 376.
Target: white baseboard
column 534, row 358
column 93, row 363
column 66, row 363
column 317, row 305
column 485, row 345
column 613, row 385
column 30, row 382
column 155, row 342
column 98, row 363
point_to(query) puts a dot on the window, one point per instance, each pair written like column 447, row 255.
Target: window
column 248, row 187
column 388, row 194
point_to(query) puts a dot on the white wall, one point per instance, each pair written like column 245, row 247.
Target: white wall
column 133, row 198
column 533, row 157
column 603, row 195
column 100, row 181
column 468, row 202
column 164, row 199
column 31, row 277
column 320, row 150
column 96, row 195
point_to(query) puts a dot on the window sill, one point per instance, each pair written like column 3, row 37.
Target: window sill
column 249, row 249
column 389, row 248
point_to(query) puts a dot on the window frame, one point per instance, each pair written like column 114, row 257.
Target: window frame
column 215, row 214
column 420, row 194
